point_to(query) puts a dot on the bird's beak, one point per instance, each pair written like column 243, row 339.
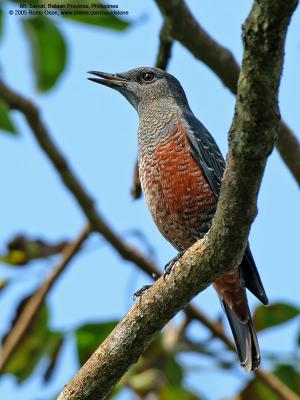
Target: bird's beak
column 111, row 80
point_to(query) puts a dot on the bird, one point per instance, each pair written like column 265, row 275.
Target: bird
column 181, row 169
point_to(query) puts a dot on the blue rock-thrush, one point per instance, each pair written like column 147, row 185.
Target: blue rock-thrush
column 180, row 168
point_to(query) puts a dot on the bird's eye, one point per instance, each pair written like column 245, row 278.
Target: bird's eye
column 148, row 76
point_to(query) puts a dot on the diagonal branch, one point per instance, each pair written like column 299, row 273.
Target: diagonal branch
column 184, row 28
column 252, row 137
column 35, row 302
column 70, row 180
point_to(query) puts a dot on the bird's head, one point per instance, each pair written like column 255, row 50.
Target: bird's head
column 143, row 86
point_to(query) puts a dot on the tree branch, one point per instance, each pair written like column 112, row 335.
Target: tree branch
column 184, row 28
column 252, row 137
column 18, row 102
column 71, row 182
column 165, row 47
column 36, row 300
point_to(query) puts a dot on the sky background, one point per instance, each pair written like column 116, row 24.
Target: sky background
column 96, row 129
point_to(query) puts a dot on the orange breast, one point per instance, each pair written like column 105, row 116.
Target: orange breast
column 178, row 195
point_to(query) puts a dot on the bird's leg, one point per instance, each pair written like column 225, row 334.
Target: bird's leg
column 171, row 263
column 139, row 293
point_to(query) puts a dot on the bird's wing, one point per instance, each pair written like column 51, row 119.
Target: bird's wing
column 205, row 151
column 207, row 154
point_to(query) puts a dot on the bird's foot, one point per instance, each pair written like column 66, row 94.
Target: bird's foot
column 139, row 293
column 169, row 266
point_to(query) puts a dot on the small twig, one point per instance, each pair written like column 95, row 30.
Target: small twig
column 183, row 326
column 36, row 300
column 162, row 61
column 136, row 190
column 184, row 28
column 288, row 147
column 71, row 182
column 165, row 47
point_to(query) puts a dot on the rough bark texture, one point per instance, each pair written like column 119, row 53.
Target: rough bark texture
column 252, row 137
column 184, row 28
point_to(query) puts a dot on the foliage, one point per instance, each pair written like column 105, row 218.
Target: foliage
column 6, row 123
column 48, row 50
column 275, row 314
column 21, row 250
column 39, row 342
column 48, row 46
column 161, row 371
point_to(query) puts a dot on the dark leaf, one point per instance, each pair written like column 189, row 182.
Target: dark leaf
column 21, row 250
column 55, row 346
column 173, row 371
column 6, row 123
column 257, row 390
column 1, row 21
column 39, row 341
column 290, row 376
column 275, row 314
column 156, row 369
column 90, row 336
column 175, row 393
column 3, row 284
column 145, row 382
column 48, row 50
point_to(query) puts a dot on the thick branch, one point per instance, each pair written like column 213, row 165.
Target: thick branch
column 184, row 28
column 34, row 303
column 252, row 137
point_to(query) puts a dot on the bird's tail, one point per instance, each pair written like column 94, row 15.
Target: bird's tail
column 245, row 339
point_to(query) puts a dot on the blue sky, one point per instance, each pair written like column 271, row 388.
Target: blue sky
column 96, row 129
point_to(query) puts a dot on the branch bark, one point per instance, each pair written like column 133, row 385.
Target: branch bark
column 35, row 302
column 127, row 252
column 252, row 137
column 184, row 28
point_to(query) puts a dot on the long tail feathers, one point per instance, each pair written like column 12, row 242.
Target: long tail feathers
column 251, row 277
column 245, row 339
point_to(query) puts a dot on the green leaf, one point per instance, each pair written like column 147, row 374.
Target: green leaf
column 6, row 123
column 257, row 390
column 3, row 284
column 275, row 314
column 175, row 393
column 21, row 250
column 290, row 376
column 103, row 21
column 90, row 336
column 37, row 343
column 48, row 51
column 1, row 21
column 54, row 346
